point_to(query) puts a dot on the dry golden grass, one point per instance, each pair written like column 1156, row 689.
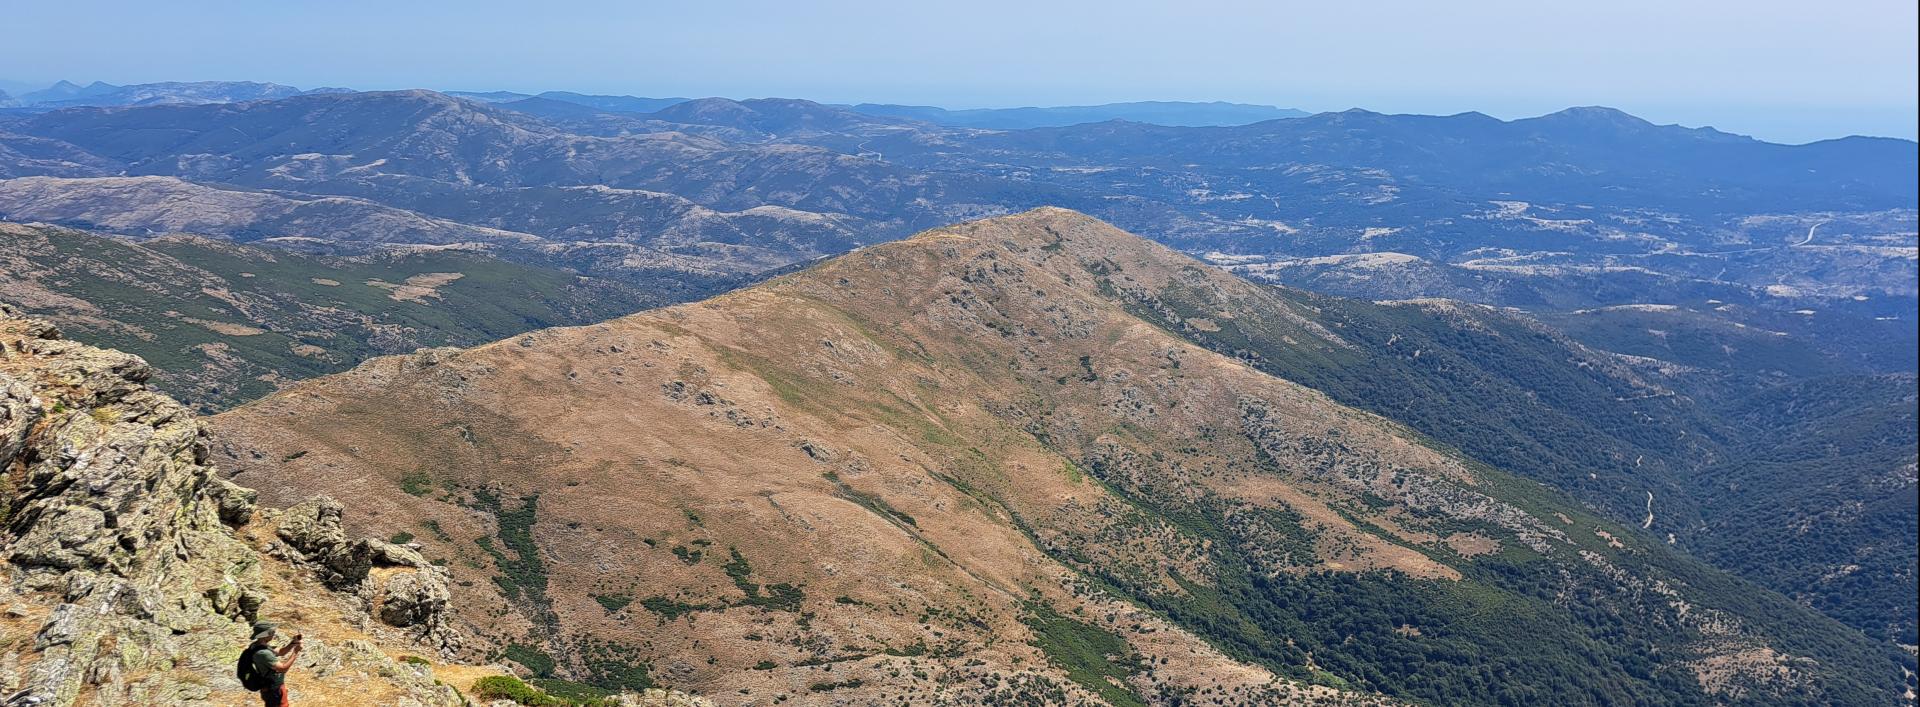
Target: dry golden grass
column 886, row 428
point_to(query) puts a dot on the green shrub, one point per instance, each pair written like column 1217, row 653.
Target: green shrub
column 522, row 572
column 543, row 693
column 416, row 483
column 508, row 687
column 533, row 658
column 613, row 602
column 433, row 526
column 670, row 609
column 828, row 686
column 1092, row 656
column 779, row 597
column 569, row 692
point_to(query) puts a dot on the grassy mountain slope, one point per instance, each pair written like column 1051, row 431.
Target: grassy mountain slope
column 1736, row 442
column 961, row 466
column 169, row 205
column 1497, row 386
column 225, row 323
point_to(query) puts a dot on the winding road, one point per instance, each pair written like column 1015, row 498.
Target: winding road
column 1803, row 241
column 1809, row 238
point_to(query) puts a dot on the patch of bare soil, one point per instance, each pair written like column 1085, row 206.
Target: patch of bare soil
column 1472, row 544
column 418, row 288
column 227, row 328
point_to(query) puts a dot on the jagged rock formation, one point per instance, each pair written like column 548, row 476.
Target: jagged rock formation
column 129, row 571
column 399, row 586
column 115, row 541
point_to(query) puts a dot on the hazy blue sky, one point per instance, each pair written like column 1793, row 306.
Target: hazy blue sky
column 1788, row 71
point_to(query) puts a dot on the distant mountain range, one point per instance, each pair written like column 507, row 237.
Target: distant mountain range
column 1584, row 208
column 1170, row 113
column 611, row 104
column 66, row 94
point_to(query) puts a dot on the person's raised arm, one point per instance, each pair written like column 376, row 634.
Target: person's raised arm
column 288, row 654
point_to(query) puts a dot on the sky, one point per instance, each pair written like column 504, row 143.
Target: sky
column 1782, row 70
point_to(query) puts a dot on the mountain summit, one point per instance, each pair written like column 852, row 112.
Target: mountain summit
column 963, row 467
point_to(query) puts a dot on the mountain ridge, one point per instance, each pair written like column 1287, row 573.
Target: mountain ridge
column 66, row 94
column 982, row 381
column 1176, row 113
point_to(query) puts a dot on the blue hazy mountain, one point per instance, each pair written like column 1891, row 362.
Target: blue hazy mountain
column 66, row 94
column 491, row 96
column 66, row 90
column 603, row 103
column 1171, row 113
column 616, row 104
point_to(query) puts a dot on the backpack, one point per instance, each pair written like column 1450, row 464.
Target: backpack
column 250, row 678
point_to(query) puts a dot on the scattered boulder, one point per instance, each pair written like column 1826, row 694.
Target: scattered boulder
column 400, row 587
column 236, row 501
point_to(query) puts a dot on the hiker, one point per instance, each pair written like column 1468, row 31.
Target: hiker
column 263, row 668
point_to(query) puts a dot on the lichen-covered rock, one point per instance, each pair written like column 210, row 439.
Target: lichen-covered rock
column 122, row 576
column 413, row 599
column 236, row 501
column 108, row 520
column 400, row 587
column 313, row 528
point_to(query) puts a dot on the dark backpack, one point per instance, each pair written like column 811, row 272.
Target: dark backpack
column 249, row 677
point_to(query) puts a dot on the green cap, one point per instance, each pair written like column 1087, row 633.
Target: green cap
column 264, row 629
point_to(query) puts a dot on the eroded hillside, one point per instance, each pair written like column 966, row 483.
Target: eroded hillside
column 957, row 468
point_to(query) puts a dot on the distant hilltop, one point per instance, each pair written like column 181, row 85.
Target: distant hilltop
column 1169, row 113
column 67, row 94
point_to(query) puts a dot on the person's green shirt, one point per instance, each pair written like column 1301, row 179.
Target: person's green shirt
column 266, row 665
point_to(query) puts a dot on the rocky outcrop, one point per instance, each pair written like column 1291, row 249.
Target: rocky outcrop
column 111, row 533
column 400, row 587
column 122, row 576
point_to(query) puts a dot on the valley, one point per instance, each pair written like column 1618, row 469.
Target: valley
column 226, row 323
